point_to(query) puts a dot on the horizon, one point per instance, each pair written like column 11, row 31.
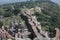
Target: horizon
column 13, row 1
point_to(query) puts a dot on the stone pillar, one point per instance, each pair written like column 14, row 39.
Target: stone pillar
column 19, row 35
column 57, row 33
column 16, row 36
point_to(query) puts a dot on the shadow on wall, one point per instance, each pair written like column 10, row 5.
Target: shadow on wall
column 32, row 35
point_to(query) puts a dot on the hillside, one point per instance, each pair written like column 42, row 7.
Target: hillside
column 34, row 20
column 49, row 17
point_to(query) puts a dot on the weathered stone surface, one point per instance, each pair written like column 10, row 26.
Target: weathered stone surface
column 57, row 34
column 31, row 11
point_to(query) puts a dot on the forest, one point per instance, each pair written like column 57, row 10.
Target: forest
column 49, row 17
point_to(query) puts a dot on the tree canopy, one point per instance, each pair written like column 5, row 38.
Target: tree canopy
column 1, row 24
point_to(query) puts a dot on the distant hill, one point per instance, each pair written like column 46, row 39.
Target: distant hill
column 13, row 1
column 56, row 1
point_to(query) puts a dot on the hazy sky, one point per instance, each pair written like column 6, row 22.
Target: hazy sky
column 11, row 1
column 57, row 1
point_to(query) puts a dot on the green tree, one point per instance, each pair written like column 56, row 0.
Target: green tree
column 2, row 11
column 16, row 11
column 1, row 24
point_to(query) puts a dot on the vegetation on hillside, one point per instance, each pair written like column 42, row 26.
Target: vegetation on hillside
column 49, row 17
column 1, row 24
